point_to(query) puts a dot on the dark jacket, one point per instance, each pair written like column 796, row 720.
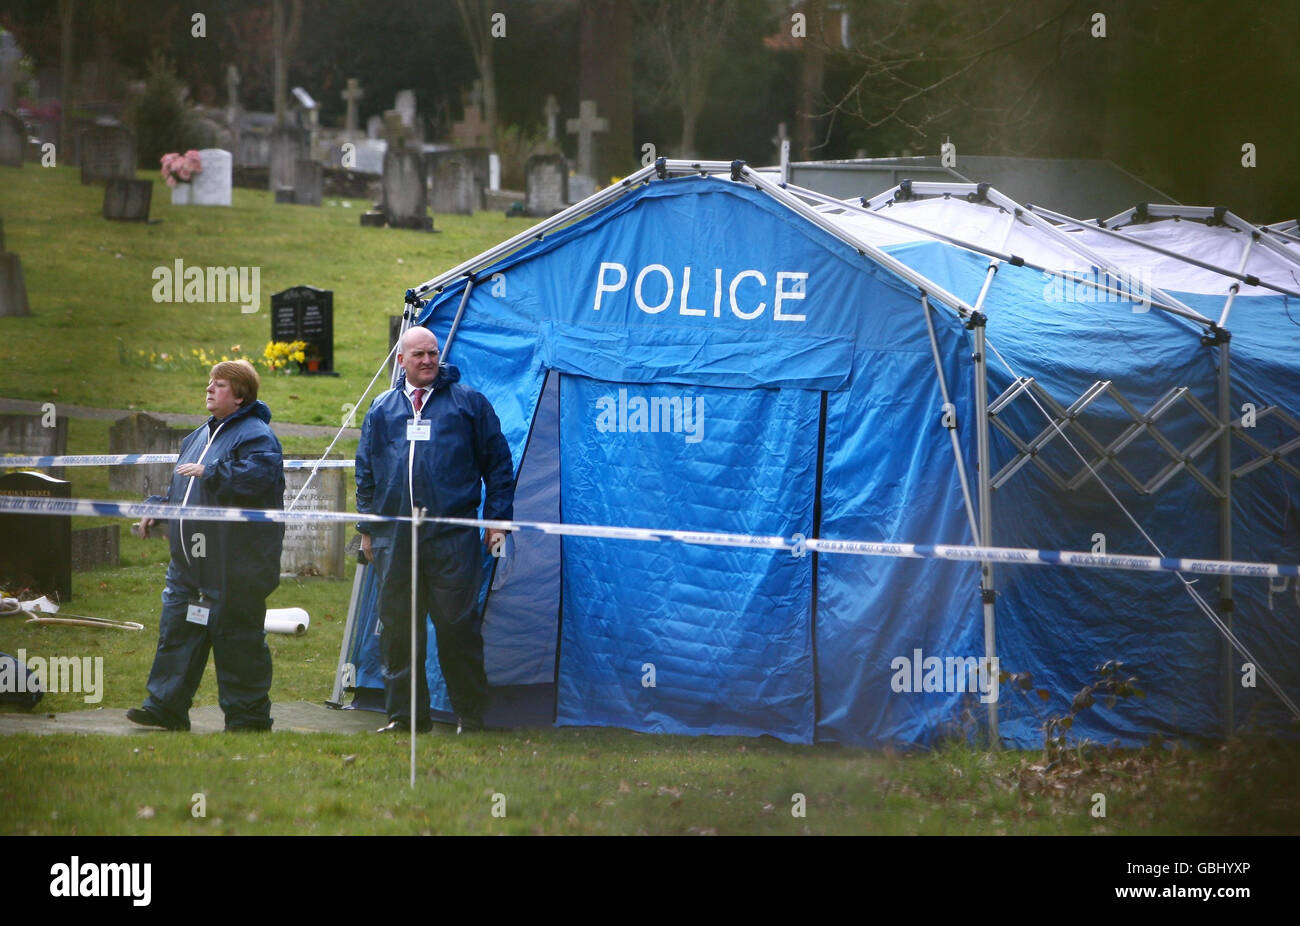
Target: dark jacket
column 243, row 468
column 465, row 452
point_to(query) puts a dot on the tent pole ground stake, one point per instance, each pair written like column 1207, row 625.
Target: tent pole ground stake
column 987, row 592
column 1225, row 522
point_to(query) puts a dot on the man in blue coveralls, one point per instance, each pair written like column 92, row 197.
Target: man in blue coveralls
column 434, row 440
column 221, row 572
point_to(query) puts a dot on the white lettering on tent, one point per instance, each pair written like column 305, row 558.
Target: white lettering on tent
column 789, row 286
column 735, row 284
column 686, row 291
column 602, row 287
column 640, row 279
column 797, row 292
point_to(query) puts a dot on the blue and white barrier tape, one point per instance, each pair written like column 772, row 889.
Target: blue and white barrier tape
column 127, row 459
column 797, row 545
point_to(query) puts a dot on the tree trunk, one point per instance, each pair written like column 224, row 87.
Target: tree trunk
column 810, row 79
column 281, row 66
column 65, row 76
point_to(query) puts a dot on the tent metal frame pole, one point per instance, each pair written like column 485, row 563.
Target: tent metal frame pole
column 460, row 313
column 889, row 262
column 1225, row 522
column 1231, row 219
column 1060, row 237
column 1005, row 257
column 1238, row 274
column 987, row 588
column 417, row 514
column 952, row 431
column 1235, row 288
column 544, row 227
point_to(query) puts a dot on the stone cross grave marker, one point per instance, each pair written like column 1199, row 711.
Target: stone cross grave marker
column 550, row 111
column 585, row 126
column 352, row 95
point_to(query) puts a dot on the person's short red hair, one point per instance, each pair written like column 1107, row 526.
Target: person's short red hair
column 242, row 376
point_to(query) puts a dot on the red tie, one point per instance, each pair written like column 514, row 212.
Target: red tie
column 415, row 398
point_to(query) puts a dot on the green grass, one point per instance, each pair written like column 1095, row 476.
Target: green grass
column 90, row 284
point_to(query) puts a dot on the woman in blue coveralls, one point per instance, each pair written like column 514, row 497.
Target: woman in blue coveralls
column 221, row 572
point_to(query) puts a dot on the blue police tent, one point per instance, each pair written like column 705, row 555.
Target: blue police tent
column 711, row 352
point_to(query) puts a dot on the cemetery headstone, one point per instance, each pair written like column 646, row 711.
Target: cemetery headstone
column 93, row 547
column 585, row 127
column 375, row 128
column 36, row 549
column 26, row 435
column 11, row 56
column 106, row 152
column 404, row 104
column 13, row 138
column 547, row 191
column 352, row 95
column 316, row 548
column 369, row 155
column 456, row 188
column 305, row 313
column 551, row 110
column 472, row 131
column 288, row 147
column 405, row 196
column 139, row 432
column 13, row 288
column 127, row 200
column 212, row 185
column 307, row 182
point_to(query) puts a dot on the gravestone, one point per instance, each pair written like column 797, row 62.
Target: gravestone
column 585, row 127
column 106, row 152
column 405, row 203
column 455, row 187
column 315, row 548
column 13, row 288
column 127, row 200
column 288, row 147
column 550, row 111
column 369, row 155
column 142, row 433
column 253, row 149
column 305, row 313
column 472, row 131
column 375, row 128
column 404, row 105
column 307, row 182
column 11, row 57
column 94, row 547
column 212, row 185
column 351, row 96
column 547, row 190
column 26, row 435
column 36, row 549
column 13, row 138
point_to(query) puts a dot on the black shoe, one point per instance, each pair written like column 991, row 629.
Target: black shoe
column 147, row 718
column 469, row 725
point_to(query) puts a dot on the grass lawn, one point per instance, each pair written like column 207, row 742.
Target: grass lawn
column 90, row 285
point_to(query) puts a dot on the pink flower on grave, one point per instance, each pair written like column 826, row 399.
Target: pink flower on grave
column 180, row 167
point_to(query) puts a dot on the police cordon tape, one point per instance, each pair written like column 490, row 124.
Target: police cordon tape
column 128, row 459
column 796, row 545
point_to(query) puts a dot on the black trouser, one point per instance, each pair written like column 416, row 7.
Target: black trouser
column 236, row 636
column 450, row 573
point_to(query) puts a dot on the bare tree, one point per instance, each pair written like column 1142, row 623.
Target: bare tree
column 682, row 36
column 285, row 37
column 918, row 63
column 476, row 17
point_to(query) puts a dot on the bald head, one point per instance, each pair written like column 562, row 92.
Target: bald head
column 417, row 355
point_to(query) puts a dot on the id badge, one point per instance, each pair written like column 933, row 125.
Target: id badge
column 198, row 614
column 417, row 429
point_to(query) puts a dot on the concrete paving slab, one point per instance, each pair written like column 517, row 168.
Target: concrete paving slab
column 289, row 716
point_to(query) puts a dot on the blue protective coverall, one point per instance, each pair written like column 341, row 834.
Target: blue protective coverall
column 464, row 455
column 227, row 567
